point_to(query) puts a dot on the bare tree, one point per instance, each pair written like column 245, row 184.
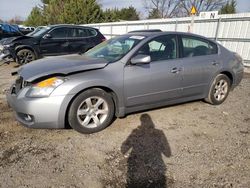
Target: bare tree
column 16, row 20
column 162, row 8
column 177, row 8
column 201, row 5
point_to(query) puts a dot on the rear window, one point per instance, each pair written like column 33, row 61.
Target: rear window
column 194, row 46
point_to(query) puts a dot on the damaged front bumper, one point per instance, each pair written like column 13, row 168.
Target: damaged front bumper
column 35, row 112
column 5, row 55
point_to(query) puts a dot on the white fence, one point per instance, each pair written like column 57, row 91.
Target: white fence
column 232, row 30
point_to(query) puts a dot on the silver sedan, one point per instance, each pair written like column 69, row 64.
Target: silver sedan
column 129, row 73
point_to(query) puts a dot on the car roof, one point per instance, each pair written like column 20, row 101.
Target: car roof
column 69, row 25
column 159, row 33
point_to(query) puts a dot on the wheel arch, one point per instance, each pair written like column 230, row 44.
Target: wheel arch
column 21, row 47
column 229, row 75
column 104, row 88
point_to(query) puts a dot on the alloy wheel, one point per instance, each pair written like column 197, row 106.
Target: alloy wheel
column 220, row 90
column 92, row 112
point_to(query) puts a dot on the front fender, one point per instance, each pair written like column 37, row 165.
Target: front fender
column 73, row 92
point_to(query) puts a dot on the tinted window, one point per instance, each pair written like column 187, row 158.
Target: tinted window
column 91, row 32
column 193, row 46
column 59, row 33
column 160, row 48
column 80, row 32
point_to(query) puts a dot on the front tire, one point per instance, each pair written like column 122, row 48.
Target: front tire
column 91, row 111
column 219, row 90
column 25, row 56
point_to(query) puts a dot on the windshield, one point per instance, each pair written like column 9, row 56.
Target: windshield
column 114, row 49
column 38, row 31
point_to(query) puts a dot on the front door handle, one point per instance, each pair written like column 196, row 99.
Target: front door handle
column 174, row 70
column 215, row 63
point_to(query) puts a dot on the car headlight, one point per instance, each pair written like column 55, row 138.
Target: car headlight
column 1, row 47
column 45, row 87
column 7, row 45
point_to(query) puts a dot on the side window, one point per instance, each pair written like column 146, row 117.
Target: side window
column 160, row 48
column 193, row 46
column 81, row 33
column 59, row 33
column 91, row 32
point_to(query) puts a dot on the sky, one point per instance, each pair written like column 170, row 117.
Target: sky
column 21, row 8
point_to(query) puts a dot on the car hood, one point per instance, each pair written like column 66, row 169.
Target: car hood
column 61, row 65
column 13, row 39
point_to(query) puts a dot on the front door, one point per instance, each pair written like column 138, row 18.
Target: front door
column 57, row 43
column 158, row 81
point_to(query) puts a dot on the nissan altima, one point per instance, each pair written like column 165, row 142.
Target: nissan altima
column 129, row 73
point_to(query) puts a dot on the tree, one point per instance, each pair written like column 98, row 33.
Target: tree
column 229, row 8
column 129, row 13
column 35, row 18
column 110, row 15
column 154, row 13
column 80, row 12
column 113, row 15
column 16, row 20
column 202, row 5
column 65, row 11
column 177, row 8
column 161, row 8
column 53, row 11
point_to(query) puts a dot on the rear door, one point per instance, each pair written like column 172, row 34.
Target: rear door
column 200, row 62
column 81, row 39
column 57, row 43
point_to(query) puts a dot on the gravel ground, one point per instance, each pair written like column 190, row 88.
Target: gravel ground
column 189, row 145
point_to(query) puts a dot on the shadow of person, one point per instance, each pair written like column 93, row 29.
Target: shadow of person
column 145, row 166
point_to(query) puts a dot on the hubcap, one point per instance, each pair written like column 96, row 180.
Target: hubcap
column 220, row 90
column 25, row 57
column 92, row 112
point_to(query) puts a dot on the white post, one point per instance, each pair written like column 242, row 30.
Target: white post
column 191, row 29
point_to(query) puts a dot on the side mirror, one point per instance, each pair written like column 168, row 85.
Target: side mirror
column 47, row 36
column 141, row 59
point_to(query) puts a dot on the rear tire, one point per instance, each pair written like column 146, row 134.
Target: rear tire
column 25, row 56
column 91, row 111
column 219, row 90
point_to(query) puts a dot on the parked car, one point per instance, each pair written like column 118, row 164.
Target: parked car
column 50, row 40
column 27, row 28
column 129, row 73
column 11, row 30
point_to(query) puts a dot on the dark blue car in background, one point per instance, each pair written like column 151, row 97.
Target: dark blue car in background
column 12, row 30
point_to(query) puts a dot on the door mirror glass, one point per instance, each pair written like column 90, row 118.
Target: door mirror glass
column 141, row 59
column 47, row 36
